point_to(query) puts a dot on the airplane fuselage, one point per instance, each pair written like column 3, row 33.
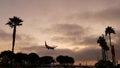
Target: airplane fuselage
column 49, row 47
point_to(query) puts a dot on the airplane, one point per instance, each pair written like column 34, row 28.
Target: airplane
column 49, row 47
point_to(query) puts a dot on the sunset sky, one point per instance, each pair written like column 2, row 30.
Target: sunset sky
column 72, row 25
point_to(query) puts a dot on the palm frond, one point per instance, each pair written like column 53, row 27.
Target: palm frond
column 10, row 24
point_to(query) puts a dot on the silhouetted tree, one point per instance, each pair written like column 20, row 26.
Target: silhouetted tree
column 7, row 57
column 103, row 44
column 21, row 58
column 60, row 59
column 33, row 58
column 69, row 60
column 15, row 21
column 104, row 64
column 46, row 60
column 109, row 30
column 65, row 60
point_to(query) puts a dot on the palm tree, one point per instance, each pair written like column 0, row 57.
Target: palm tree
column 109, row 30
column 13, row 22
column 103, row 44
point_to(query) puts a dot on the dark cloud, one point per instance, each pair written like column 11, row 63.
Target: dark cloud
column 86, row 54
column 66, row 29
column 110, row 14
column 25, row 40
column 21, row 39
column 81, row 55
column 73, row 34
column 90, row 40
column 42, row 51
column 5, row 36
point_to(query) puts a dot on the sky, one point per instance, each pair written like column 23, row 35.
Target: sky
column 72, row 25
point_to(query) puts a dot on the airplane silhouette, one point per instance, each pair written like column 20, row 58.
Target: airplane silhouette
column 49, row 47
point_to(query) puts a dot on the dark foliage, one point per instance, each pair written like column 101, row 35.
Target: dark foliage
column 21, row 58
column 15, row 21
column 66, row 60
column 46, row 60
column 7, row 56
column 104, row 64
column 109, row 30
column 103, row 43
column 33, row 58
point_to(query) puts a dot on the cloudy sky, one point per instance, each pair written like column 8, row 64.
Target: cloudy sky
column 72, row 25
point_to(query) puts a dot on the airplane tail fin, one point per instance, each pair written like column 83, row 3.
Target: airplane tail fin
column 45, row 43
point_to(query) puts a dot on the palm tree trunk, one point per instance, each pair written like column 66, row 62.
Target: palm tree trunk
column 14, row 35
column 113, row 57
column 106, row 55
column 103, row 55
column 110, row 40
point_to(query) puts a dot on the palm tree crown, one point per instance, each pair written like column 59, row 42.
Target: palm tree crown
column 109, row 30
column 15, row 21
column 103, row 43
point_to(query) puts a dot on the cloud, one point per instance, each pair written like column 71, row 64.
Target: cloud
column 22, row 40
column 66, row 29
column 65, row 33
column 68, row 32
column 72, row 33
column 110, row 15
column 5, row 36
column 25, row 40
column 87, row 54
column 90, row 40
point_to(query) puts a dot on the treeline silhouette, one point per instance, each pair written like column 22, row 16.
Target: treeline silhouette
column 8, row 58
